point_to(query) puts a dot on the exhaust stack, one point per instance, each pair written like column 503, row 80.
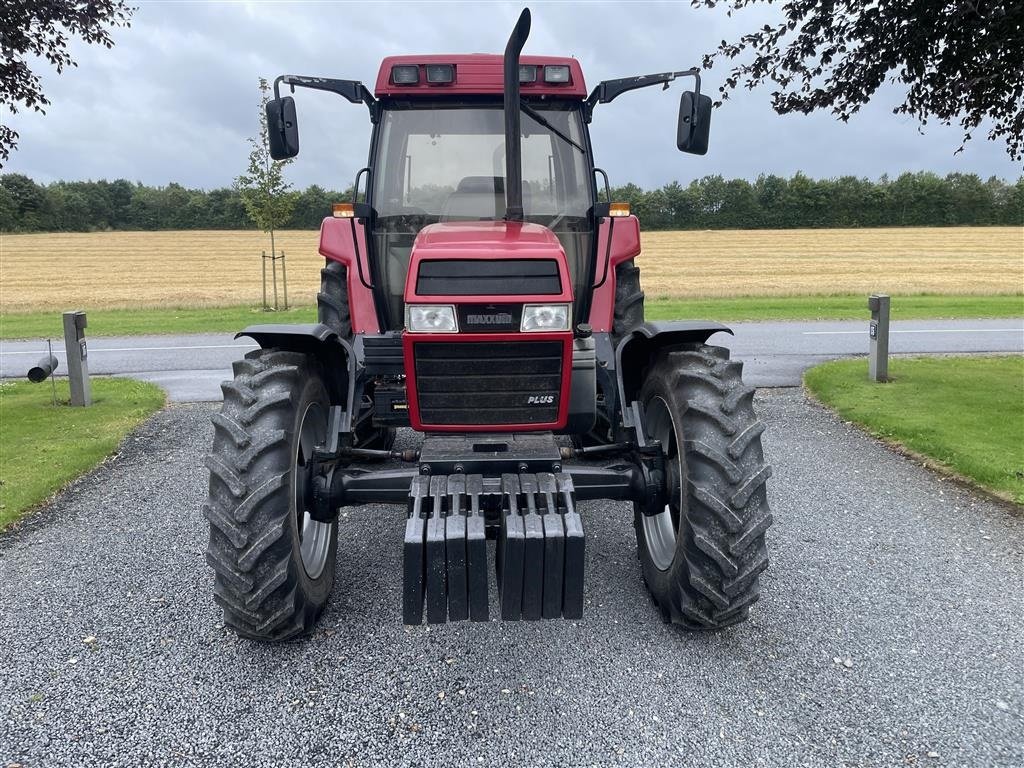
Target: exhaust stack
column 513, row 150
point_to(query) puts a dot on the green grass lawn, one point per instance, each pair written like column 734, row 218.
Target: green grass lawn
column 128, row 322
column 966, row 413
column 922, row 307
column 153, row 320
column 42, row 448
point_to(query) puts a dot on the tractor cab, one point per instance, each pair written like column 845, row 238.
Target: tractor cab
column 438, row 156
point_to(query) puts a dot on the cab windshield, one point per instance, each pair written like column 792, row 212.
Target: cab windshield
column 449, row 163
column 440, row 162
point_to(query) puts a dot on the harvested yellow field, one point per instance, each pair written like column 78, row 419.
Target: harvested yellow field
column 217, row 268
column 189, row 268
column 719, row 263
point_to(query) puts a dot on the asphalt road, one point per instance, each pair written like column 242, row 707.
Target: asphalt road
column 890, row 632
column 191, row 367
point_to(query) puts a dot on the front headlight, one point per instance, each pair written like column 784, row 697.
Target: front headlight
column 545, row 317
column 431, row 318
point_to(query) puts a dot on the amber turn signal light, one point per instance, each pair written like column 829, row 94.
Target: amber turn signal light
column 616, row 209
column 346, row 210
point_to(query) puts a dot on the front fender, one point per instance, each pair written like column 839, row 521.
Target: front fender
column 636, row 350
column 317, row 340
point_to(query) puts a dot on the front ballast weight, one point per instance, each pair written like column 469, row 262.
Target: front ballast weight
column 539, row 552
column 466, row 490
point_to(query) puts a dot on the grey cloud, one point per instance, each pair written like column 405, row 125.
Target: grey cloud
column 176, row 98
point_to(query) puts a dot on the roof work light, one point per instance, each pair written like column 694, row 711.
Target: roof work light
column 405, row 74
column 556, row 73
column 440, row 74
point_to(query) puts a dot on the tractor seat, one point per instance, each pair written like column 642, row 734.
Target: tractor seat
column 476, row 197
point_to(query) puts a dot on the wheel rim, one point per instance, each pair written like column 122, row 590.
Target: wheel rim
column 662, row 529
column 314, row 536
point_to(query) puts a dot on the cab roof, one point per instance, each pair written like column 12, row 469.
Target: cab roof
column 479, row 74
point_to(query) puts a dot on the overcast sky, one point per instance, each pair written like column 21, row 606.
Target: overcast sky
column 176, row 97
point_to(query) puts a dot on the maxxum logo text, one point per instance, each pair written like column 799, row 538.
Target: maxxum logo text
column 503, row 318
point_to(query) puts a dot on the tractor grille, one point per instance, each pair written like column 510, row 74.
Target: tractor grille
column 483, row 383
column 480, row 277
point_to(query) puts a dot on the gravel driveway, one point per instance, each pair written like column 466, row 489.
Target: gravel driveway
column 890, row 632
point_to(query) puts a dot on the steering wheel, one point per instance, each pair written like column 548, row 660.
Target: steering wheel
column 408, row 219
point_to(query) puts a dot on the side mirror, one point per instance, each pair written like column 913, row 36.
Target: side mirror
column 694, row 123
column 282, row 128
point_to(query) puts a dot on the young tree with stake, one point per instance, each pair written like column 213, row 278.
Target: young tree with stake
column 269, row 200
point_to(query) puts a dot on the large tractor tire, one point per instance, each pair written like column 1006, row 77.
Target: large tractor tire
column 333, row 311
column 629, row 300
column 273, row 564
column 332, row 301
column 703, row 553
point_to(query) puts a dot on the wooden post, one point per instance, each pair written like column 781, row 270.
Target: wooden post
column 263, row 261
column 273, row 271
column 284, row 280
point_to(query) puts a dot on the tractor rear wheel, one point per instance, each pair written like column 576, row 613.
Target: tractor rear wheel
column 629, row 301
column 332, row 301
column 273, row 564
column 333, row 311
column 702, row 554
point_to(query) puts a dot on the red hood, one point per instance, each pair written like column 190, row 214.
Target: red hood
column 486, row 239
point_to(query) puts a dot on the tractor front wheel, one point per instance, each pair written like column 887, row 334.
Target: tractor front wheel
column 703, row 552
column 273, row 563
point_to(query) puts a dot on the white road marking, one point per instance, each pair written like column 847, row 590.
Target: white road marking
column 923, row 330
column 93, row 350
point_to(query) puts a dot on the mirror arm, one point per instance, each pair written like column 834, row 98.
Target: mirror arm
column 608, row 90
column 352, row 90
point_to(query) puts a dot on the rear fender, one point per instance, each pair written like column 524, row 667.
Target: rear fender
column 344, row 240
column 637, row 350
column 618, row 240
column 335, row 354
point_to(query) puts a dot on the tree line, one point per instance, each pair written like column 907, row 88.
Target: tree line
column 713, row 202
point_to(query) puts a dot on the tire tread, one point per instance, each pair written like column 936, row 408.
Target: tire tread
column 715, row 576
column 257, row 581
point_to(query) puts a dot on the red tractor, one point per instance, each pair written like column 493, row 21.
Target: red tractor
column 483, row 294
